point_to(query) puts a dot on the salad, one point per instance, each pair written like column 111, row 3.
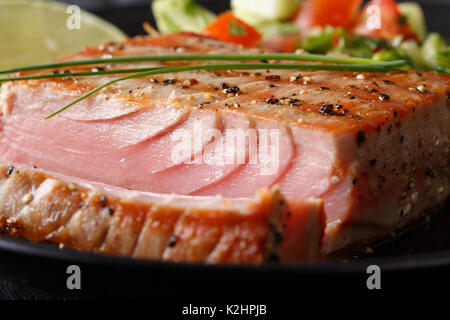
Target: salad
column 383, row 30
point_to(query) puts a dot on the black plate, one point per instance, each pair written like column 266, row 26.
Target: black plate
column 416, row 263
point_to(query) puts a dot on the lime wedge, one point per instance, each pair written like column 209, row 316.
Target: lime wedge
column 40, row 31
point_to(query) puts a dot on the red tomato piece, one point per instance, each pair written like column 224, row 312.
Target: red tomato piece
column 229, row 28
column 280, row 43
column 382, row 19
column 336, row 13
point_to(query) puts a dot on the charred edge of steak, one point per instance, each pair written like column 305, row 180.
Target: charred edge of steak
column 276, row 232
column 12, row 225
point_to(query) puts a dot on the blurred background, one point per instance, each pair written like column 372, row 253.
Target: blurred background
column 129, row 15
column 136, row 11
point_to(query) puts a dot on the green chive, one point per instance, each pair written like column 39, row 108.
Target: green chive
column 375, row 67
column 191, row 57
column 77, row 74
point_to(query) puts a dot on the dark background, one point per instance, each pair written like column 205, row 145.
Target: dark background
column 136, row 11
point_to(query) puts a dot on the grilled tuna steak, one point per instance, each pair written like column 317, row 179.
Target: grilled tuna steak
column 374, row 146
column 144, row 225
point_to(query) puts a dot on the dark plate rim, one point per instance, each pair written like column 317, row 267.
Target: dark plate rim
column 49, row 251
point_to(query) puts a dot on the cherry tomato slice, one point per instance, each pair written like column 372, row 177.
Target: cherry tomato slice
column 336, row 13
column 229, row 28
column 382, row 19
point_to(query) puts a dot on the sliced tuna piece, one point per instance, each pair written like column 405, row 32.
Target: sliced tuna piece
column 374, row 146
column 40, row 207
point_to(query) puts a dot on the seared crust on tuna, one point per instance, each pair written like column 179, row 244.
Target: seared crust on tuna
column 143, row 225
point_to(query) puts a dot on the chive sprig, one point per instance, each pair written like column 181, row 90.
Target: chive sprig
column 333, row 64
column 379, row 67
column 193, row 57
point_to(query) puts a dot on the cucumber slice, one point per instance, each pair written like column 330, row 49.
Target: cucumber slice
column 431, row 49
column 180, row 15
column 411, row 49
column 251, row 18
column 386, row 55
column 276, row 27
column 416, row 19
column 266, row 9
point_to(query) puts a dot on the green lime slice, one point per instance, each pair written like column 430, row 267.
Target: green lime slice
column 40, row 31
